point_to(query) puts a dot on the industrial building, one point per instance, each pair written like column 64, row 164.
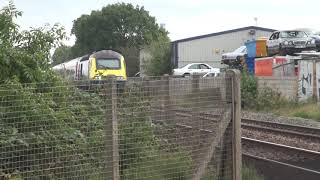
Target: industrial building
column 209, row 48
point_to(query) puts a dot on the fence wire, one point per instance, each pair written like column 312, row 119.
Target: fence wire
column 156, row 128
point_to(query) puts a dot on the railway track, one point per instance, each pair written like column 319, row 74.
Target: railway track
column 277, row 170
column 288, row 129
column 283, row 153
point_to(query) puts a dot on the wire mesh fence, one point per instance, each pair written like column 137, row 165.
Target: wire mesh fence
column 154, row 128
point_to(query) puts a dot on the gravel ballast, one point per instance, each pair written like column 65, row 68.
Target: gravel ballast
column 280, row 119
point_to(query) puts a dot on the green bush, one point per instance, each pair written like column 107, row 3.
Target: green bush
column 249, row 91
column 141, row 156
column 44, row 130
column 160, row 57
column 260, row 100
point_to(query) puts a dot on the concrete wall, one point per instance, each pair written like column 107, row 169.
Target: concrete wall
column 302, row 87
column 309, row 78
column 287, row 86
column 318, row 79
column 305, row 86
column 209, row 49
column 144, row 58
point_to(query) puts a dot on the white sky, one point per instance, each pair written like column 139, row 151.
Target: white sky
column 183, row 18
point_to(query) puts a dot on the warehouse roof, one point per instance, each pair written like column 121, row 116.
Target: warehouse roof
column 225, row 32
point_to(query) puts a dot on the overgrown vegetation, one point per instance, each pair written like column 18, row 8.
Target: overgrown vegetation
column 309, row 110
column 53, row 130
column 142, row 156
column 271, row 101
column 24, row 55
column 265, row 99
column 160, row 60
column 60, row 125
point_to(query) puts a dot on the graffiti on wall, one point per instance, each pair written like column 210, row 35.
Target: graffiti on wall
column 318, row 79
column 305, row 79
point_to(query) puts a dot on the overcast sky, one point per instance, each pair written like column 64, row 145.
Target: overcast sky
column 182, row 18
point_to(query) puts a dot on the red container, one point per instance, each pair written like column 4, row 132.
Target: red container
column 263, row 66
column 274, row 66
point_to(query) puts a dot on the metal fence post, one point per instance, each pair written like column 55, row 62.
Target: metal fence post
column 111, row 123
column 146, row 86
column 195, row 102
column 195, row 83
column 236, row 117
column 196, row 124
column 166, row 97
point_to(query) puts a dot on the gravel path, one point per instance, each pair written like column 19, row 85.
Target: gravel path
column 281, row 119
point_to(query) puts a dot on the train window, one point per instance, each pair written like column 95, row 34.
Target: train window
column 81, row 66
column 108, row 64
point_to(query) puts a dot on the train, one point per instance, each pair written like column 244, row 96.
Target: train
column 96, row 66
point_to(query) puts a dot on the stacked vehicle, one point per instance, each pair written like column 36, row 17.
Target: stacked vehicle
column 281, row 46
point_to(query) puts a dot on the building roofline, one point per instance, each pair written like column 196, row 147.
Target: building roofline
column 224, row 32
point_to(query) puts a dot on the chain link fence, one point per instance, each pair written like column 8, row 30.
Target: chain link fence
column 155, row 128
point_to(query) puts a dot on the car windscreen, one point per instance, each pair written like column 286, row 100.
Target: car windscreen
column 183, row 66
column 293, row 34
column 108, row 64
column 241, row 49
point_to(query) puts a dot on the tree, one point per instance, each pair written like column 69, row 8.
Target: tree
column 62, row 54
column 160, row 61
column 25, row 55
column 120, row 26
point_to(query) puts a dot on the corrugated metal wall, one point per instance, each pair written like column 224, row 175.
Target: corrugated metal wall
column 209, row 49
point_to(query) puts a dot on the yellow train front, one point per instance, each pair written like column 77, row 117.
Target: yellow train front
column 96, row 67
column 107, row 63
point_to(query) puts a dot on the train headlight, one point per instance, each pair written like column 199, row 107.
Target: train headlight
column 120, row 78
column 97, row 77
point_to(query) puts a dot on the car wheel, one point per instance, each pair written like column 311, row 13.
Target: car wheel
column 186, row 75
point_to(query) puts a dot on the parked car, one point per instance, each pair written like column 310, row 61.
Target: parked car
column 193, row 68
column 234, row 57
column 289, row 42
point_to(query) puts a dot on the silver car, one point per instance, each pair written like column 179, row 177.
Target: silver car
column 193, row 68
column 235, row 56
column 289, row 42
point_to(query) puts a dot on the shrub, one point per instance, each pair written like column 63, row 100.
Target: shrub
column 249, row 91
column 262, row 99
column 140, row 151
column 42, row 131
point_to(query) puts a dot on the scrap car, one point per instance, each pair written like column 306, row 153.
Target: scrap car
column 289, row 42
